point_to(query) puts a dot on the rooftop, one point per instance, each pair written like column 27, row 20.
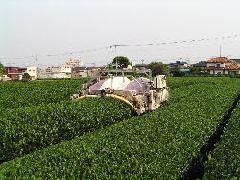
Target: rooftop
column 229, row 64
column 219, row 60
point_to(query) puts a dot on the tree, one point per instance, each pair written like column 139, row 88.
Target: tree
column 176, row 72
column 109, row 66
column 197, row 70
column 2, row 70
column 121, row 61
column 158, row 68
column 26, row 77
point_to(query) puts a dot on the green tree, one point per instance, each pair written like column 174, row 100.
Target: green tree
column 26, row 77
column 109, row 66
column 158, row 68
column 121, row 61
column 176, row 72
column 197, row 70
column 2, row 70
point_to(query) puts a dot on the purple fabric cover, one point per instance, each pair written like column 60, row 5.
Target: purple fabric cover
column 137, row 85
column 97, row 86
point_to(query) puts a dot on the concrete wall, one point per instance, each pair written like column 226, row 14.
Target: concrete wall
column 59, row 75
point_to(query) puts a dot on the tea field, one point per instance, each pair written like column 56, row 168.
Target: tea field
column 22, row 94
column 224, row 162
column 53, row 138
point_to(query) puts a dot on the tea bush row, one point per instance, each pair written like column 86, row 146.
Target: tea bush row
column 224, row 162
column 24, row 130
column 156, row 145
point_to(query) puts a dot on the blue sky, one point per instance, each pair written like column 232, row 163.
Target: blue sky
column 30, row 27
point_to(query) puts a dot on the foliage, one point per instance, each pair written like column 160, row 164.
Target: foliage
column 197, row 70
column 26, row 129
column 224, row 162
column 121, row 61
column 158, row 68
column 18, row 94
column 176, row 72
column 2, row 71
column 26, row 77
column 158, row 144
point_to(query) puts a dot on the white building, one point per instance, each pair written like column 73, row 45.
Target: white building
column 67, row 70
column 32, row 71
column 5, row 78
column 55, row 72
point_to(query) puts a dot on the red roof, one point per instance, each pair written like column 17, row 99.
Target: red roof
column 230, row 65
column 219, row 60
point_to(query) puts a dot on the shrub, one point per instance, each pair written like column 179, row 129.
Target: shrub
column 26, row 129
column 224, row 162
column 156, row 145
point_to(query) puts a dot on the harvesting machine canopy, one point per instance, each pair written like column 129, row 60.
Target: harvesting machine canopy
column 135, row 87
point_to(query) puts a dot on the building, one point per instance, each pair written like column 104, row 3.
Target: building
column 54, row 69
column 86, row 71
column 178, row 64
column 201, row 64
column 15, row 73
column 79, row 72
column 67, row 70
column 140, row 66
column 55, row 72
column 94, row 71
column 32, row 71
column 236, row 61
column 222, row 65
column 5, row 78
column 72, row 63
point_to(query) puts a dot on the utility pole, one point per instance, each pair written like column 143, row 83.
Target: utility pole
column 115, row 50
column 36, row 60
column 220, row 50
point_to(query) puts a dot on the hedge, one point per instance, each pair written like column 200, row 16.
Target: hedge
column 24, row 94
column 156, row 145
column 24, row 130
column 224, row 162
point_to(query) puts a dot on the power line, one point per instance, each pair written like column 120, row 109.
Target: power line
column 115, row 46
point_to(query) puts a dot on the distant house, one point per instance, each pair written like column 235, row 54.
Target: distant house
column 93, row 71
column 5, row 78
column 55, row 72
column 222, row 65
column 140, row 66
column 178, row 64
column 79, row 72
column 201, row 64
column 15, row 73
column 236, row 61
column 72, row 63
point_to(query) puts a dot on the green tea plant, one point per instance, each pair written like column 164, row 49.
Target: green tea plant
column 19, row 94
column 224, row 162
column 24, row 130
column 160, row 144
